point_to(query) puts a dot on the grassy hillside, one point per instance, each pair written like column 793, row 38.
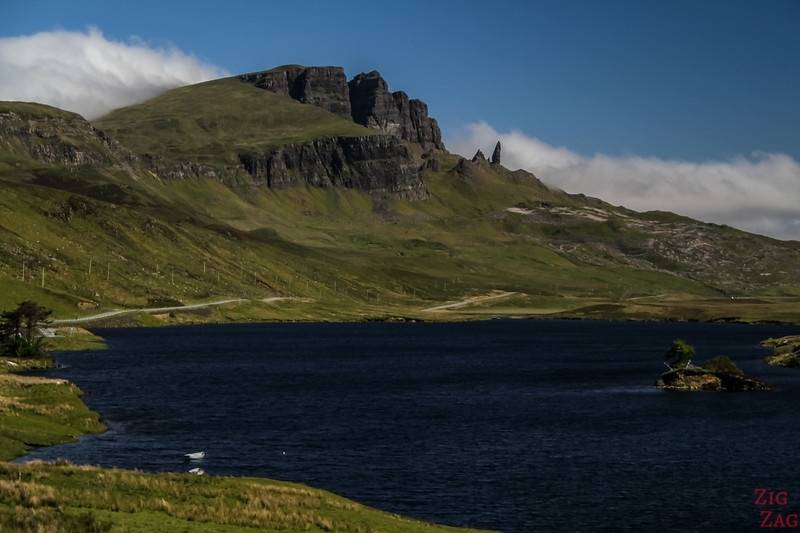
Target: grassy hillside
column 211, row 122
column 85, row 237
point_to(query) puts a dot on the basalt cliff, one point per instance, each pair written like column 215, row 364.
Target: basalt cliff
column 378, row 164
column 371, row 141
column 365, row 99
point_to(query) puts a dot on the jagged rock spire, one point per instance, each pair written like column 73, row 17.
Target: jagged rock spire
column 478, row 157
column 496, row 154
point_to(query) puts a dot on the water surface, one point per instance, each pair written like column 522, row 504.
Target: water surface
column 508, row 425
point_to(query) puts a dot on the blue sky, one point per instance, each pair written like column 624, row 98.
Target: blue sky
column 681, row 79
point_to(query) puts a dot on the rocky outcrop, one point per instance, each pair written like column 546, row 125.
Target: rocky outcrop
column 74, row 206
column 432, row 163
column 479, row 157
column 58, row 137
column 788, row 360
column 365, row 99
column 468, row 169
column 168, row 169
column 786, row 351
column 696, row 379
column 325, row 87
column 376, row 164
column 375, row 107
column 496, row 154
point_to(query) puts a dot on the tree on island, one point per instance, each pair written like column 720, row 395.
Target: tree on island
column 21, row 330
column 679, row 355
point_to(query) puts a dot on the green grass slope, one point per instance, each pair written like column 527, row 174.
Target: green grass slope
column 64, row 497
column 37, row 411
column 211, row 122
column 83, row 238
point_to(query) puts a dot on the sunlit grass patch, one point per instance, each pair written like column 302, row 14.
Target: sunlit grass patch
column 56, row 493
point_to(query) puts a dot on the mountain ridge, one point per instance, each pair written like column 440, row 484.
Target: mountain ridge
column 224, row 189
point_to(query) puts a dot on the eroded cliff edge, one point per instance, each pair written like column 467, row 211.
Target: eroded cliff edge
column 365, row 99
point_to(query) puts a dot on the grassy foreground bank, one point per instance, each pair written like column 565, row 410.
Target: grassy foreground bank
column 61, row 497
column 65, row 497
column 37, row 411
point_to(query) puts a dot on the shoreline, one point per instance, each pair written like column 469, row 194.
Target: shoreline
column 38, row 411
column 196, row 314
column 176, row 488
column 47, row 495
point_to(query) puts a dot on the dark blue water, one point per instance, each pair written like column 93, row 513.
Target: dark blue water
column 508, row 425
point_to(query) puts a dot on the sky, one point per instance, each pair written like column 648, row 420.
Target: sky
column 679, row 105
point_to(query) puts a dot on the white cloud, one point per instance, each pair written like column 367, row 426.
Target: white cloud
column 87, row 73
column 758, row 193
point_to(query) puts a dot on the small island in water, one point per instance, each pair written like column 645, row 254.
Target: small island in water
column 785, row 351
column 719, row 374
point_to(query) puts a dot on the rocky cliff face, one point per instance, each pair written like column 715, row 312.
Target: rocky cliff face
column 377, row 164
column 325, row 87
column 365, row 99
column 67, row 140
column 375, row 107
column 58, row 137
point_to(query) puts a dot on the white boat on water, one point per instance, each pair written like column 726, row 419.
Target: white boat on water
column 195, row 455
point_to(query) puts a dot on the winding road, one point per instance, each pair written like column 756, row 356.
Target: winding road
column 118, row 312
column 471, row 301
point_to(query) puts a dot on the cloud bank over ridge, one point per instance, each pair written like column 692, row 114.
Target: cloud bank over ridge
column 89, row 74
column 759, row 192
